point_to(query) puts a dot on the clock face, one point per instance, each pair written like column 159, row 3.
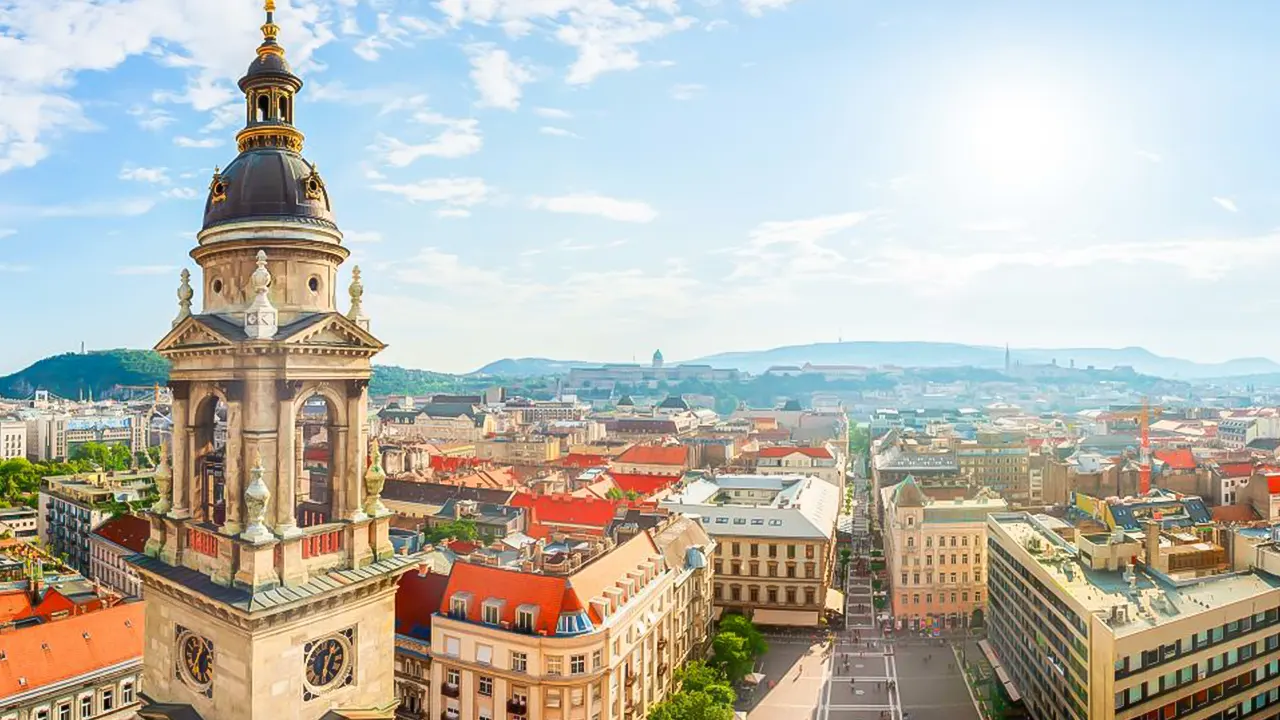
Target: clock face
column 195, row 659
column 327, row 662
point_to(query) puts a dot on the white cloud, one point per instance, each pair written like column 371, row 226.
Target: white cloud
column 497, row 77
column 127, row 207
column 154, row 175
column 436, row 268
column 7, row 268
column 557, row 131
column 453, row 213
column 756, row 8
column 604, row 33
column 151, row 118
column 188, row 142
column 146, row 270
column 7, row 232
column 458, row 137
column 1226, row 204
column 633, row 211
column 792, row 249
column 553, row 113
column 1149, row 156
column 686, row 91
column 362, row 236
column 181, row 193
column 454, row 193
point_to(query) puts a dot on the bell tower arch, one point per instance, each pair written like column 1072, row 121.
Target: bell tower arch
column 269, row 573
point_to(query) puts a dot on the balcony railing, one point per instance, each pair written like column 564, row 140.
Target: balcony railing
column 202, row 542
column 450, row 690
column 517, row 707
column 322, row 544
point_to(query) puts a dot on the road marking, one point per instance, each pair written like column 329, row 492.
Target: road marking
column 965, row 678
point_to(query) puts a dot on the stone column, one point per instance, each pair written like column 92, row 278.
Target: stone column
column 179, row 441
column 234, row 460
column 287, row 465
column 261, row 439
column 354, row 452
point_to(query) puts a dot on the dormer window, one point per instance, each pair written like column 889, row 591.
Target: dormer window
column 459, row 605
column 492, row 611
column 526, row 618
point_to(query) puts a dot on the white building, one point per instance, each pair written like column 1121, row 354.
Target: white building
column 13, row 439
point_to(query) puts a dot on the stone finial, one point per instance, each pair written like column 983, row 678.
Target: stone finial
column 260, row 319
column 256, row 496
column 356, row 315
column 184, row 297
column 163, row 480
column 374, row 480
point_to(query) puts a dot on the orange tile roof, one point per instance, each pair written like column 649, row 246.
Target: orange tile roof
column 418, row 597
column 1236, row 469
column 779, row 451
column 567, row 510
column 127, row 531
column 17, row 604
column 1179, row 459
column 654, row 455
column 641, row 483
column 547, row 592
column 605, row 572
column 582, row 460
column 53, row 652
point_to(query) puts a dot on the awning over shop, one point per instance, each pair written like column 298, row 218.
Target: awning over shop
column 785, row 617
column 985, row 647
column 1001, row 674
column 835, row 600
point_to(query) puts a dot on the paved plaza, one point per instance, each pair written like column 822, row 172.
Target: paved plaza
column 861, row 675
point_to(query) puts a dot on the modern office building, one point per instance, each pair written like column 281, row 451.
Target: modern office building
column 1132, row 625
column 71, row 507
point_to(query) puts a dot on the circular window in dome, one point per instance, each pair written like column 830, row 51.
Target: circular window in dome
column 314, row 284
column 217, row 287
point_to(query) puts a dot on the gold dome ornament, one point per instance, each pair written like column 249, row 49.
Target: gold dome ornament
column 217, row 187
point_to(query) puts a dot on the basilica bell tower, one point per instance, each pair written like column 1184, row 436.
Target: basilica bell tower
column 269, row 575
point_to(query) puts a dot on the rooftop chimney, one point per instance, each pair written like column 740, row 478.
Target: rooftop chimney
column 1153, row 543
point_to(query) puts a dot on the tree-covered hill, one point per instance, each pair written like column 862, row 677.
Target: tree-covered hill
column 102, row 373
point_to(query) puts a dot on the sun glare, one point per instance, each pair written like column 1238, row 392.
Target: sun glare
column 1017, row 138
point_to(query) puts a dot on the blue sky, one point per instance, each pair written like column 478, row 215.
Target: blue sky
column 598, row 178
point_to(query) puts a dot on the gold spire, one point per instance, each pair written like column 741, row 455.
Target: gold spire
column 270, row 31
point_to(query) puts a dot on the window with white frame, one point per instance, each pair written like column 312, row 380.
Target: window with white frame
column 86, row 706
column 555, row 665
column 519, row 661
column 126, row 692
column 486, row 685
column 452, row 646
column 577, row 664
column 108, row 700
column 492, row 612
column 64, row 711
column 484, row 654
column 41, row 714
column 553, row 698
column 524, row 619
column 597, row 659
column 452, row 677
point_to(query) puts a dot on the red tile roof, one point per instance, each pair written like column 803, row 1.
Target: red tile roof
column 566, row 510
column 643, row 484
column 418, row 597
column 444, row 463
column 18, row 604
column 53, row 652
column 582, row 460
column 780, row 451
column 1179, row 459
column 676, row 455
column 547, row 592
column 1236, row 469
column 1273, row 484
column 128, row 531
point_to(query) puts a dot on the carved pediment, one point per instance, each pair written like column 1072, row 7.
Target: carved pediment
column 335, row 330
column 191, row 334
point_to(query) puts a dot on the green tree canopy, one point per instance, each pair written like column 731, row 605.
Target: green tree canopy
column 695, row 705
column 114, row 457
column 457, row 529
column 698, row 676
column 739, row 625
column 732, row 654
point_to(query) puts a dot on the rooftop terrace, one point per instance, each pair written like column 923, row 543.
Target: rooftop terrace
column 1131, row 602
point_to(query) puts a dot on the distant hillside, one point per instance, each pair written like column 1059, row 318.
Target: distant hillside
column 104, row 372
column 531, row 367
column 929, row 354
column 100, row 373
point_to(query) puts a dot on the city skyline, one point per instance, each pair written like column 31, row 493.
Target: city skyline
column 986, row 174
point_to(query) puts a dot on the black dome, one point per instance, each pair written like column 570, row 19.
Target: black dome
column 268, row 184
column 269, row 65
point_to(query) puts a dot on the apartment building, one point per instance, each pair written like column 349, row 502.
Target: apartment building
column 823, row 462
column 575, row 635
column 935, row 550
column 20, row 522
column 775, row 538
column 998, row 459
column 525, row 450
column 110, row 544
column 1148, row 625
column 72, row 506
column 13, row 439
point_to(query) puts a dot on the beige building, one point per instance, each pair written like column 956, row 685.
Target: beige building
column 826, row 462
column 1131, row 625
column 13, row 439
column 997, row 459
column 72, row 506
column 775, row 537
column 262, row 603
column 583, row 638
column 935, row 552
column 528, row 450
column 109, row 545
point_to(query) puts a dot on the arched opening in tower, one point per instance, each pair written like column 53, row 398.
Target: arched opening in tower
column 209, row 502
column 264, row 108
column 316, row 434
column 284, row 110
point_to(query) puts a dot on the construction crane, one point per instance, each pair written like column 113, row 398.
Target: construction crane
column 1142, row 415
